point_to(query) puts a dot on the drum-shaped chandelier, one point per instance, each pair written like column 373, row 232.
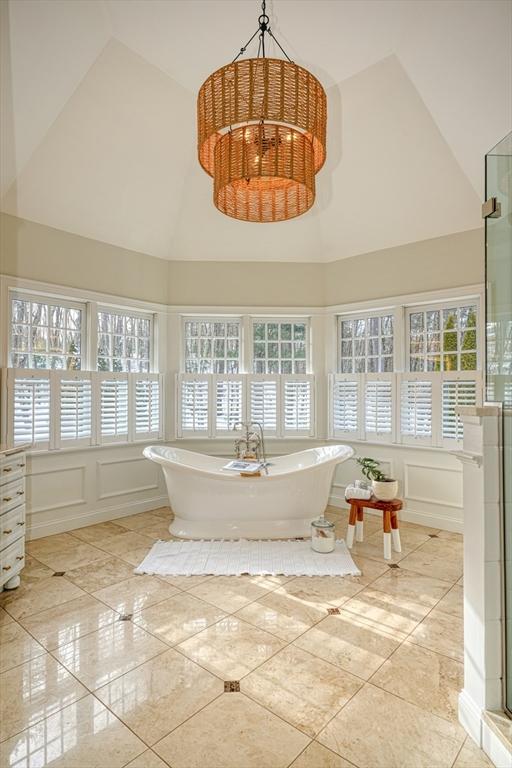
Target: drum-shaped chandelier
column 261, row 134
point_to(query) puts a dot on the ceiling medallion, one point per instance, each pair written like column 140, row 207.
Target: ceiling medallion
column 261, row 134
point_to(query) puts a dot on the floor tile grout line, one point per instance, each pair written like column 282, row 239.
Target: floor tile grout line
column 43, row 717
column 68, row 579
column 245, row 695
column 146, row 744
column 23, row 616
column 287, row 643
column 92, row 631
column 314, row 741
column 402, row 642
column 412, row 551
column 460, row 750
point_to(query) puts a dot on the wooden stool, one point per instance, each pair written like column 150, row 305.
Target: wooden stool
column 389, row 511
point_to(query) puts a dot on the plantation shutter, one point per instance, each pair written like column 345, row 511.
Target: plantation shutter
column 416, row 409
column 75, row 409
column 228, row 404
column 298, row 406
column 31, row 409
column 264, row 405
column 455, row 393
column 345, row 406
column 147, row 406
column 114, row 408
column 194, row 405
column 379, row 407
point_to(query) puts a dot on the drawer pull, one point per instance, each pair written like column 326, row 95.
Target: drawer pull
column 22, row 522
column 20, row 493
column 7, row 531
column 7, row 469
column 19, row 557
column 7, row 498
column 21, row 465
column 6, row 568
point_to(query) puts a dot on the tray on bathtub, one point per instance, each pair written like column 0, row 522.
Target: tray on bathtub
column 257, row 558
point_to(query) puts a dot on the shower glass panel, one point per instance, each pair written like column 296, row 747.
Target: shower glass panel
column 498, row 181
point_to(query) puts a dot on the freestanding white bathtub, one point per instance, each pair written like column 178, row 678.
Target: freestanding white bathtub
column 210, row 502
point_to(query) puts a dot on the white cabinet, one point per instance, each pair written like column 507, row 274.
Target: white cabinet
column 12, row 516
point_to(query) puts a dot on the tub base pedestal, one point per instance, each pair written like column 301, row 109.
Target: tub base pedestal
column 241, row 529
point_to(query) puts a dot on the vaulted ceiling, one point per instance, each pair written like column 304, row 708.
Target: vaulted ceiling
column 98, row 132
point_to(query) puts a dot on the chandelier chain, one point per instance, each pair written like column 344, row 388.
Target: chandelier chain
column 263, row 28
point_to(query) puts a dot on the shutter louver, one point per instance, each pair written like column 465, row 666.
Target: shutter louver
column 31, row 410
column 75, row 409
column 194, row 405
column 264, row 403
column 147, row 406
column 114, row 409
column 379, row 407
column 297, row 406
column 345, row 406
column 455, row 394
column 228, row 404
column 416, row 409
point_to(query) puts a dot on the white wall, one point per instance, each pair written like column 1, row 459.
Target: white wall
column 76, row 488
column 70, row 489
column 37, row 252
column 430, row 483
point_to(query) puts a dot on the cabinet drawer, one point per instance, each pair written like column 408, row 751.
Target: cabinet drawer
column 12, row 526
column 12, row 467
column 12, row 494
column 12, row 560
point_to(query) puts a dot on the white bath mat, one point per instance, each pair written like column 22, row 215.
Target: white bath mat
column 257, row 558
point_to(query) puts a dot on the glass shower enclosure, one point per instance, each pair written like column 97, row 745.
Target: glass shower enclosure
column 498, row 261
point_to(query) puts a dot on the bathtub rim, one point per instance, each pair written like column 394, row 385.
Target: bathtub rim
column 236, row 476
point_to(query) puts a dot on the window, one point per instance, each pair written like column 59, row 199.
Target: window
column 30, row 409
column 212, row 346
column 75, row 408
column 61, row 409
column 263, row 395
column 443, row 338
column 366, row 344
column 371, row 402
column 280, row 346
column 209, row 405
column 455, row 393
column 229, row 396
column 416, row 409
column 124, row 342
column 46, row 333
column 114, row 408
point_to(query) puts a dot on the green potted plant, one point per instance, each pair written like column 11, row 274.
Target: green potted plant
column 384, row 487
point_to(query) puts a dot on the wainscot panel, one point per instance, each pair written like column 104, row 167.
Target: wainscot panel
column 429, row 482
column 71, row 489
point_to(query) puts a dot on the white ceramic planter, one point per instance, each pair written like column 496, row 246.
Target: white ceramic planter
column 385, row 490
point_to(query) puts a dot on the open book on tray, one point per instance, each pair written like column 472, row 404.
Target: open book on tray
column 248, row 467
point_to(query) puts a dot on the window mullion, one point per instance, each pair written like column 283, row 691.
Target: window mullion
column 400, row 339
column 91, row 329
column 246, row 341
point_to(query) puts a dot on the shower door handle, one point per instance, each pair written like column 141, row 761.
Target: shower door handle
column 491, row 209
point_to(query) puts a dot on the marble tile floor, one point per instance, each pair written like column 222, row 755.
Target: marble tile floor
column 103, row 669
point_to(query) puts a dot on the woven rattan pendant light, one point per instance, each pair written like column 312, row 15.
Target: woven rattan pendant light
column 261, row 134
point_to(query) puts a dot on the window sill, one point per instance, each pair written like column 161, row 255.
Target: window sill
column 402, row 446
column 227, row 440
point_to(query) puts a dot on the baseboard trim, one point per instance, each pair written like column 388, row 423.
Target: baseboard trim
column 495, row 744
column 442, row 522
column 475, row 722
column 470, row 716
column 101, row 515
